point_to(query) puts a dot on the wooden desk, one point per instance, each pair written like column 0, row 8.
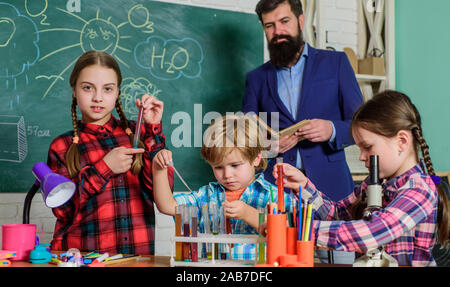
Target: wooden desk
column 143, row 261
column 146, row 261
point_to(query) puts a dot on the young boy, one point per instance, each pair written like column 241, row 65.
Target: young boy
column 233, row 148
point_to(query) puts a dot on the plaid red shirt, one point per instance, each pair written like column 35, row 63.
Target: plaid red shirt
column 115, row 211
column 405, row 226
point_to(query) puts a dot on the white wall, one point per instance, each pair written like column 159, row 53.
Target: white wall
column 339, row 18
column 339, row 23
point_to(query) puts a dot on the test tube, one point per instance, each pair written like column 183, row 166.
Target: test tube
column 280, row 186
column 214, row 211
column 222, row 230
column 194, row 226
column 229, row 230
column 137, row 131
column 186, row 233
column 207, row 229
column 224, row 249
column 178, row 245
column 261, row 245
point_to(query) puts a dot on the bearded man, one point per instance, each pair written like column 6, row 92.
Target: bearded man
column 300, row 82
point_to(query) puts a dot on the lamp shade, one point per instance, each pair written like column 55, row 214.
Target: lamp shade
column 56, row 189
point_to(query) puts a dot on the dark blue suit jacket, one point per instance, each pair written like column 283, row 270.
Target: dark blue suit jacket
column 330, row 92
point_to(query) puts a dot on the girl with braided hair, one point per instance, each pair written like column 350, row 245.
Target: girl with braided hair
column 112, row 210
column 414, row 214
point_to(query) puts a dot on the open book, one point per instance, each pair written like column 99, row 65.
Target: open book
column 285, row 132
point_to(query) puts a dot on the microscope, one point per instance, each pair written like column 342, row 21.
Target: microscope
column 374, row 190
column 376, row 257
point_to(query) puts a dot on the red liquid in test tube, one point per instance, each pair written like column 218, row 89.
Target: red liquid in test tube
column 280, row 185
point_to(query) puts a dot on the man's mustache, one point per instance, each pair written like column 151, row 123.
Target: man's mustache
column 279, row 37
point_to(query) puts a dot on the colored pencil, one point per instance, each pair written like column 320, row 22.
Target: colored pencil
column 294, row 217
column 300, row 213
column 124, row 259
column 308, row 222
column 304, row 219
column 271, row 193
column 312, row 224
column 280, row 189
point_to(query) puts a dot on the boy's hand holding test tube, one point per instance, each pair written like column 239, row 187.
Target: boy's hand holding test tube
column 163, row 160
column 238, row 209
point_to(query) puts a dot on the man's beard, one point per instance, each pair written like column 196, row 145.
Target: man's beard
column 284, row 53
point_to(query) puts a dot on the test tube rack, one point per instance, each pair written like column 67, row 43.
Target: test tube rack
column 220, row 238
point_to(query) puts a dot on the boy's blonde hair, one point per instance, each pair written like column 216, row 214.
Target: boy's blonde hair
column 233, row 132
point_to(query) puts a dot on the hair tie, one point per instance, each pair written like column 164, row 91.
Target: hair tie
column 436, row 179
column 128, row 131
column 75, row 140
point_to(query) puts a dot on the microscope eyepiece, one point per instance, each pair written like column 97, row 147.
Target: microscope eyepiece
column 374, row 177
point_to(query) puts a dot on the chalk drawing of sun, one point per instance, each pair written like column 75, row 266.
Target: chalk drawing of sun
column 101, row 35
column 97, row 34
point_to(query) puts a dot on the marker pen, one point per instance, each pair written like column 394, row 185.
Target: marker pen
column 101, row 258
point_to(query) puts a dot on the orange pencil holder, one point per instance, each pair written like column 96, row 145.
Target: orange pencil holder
column 288, row 260
column 276, row 237
column 291, row 240
column 305, row 253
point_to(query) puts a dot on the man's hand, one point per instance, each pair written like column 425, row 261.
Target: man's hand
column 286, row 143
column 316, row 131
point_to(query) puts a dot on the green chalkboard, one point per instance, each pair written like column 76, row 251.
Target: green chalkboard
column 192, row 58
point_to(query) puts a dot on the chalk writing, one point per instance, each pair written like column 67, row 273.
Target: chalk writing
column 37, row 132
column 40, row 13
column 14, row 26
column 13, row 146
column 99, row 34
column 170, row 59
